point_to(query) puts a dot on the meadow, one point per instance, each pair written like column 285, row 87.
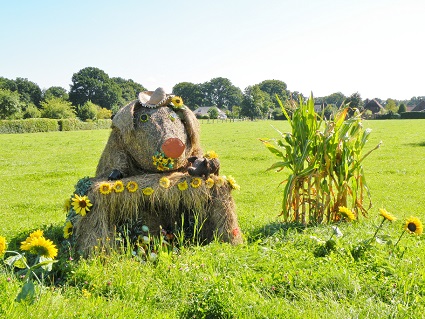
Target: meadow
column 277, row 273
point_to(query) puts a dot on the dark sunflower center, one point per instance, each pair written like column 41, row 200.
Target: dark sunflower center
column 411, row 227
column 83, row 204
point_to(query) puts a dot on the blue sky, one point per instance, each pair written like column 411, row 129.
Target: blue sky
column 374, row 47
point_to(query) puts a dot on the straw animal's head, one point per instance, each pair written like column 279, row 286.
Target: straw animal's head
column 157, row 137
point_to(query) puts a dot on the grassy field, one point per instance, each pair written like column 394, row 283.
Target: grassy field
column 278, row 273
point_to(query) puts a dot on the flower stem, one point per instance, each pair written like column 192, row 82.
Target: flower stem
column 399, row 238
column 376, row 232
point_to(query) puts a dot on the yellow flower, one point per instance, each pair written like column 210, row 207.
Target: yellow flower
column 118, row 186
column 67, row 205
column 86, row 293
column 177, row 101
column 183, row 185
column 345, row 212
column 67, row 230
column 220, row 181
column 164, row 182
column 414, row 226
column 148, row 191
column 105, row 188
column 211, row 155
column 196, row 182
column 233, row 183
column 388, row 216
column 81, row 204
column 40, row 246
column 132, row 187
column 3, row 245
column 209, row 183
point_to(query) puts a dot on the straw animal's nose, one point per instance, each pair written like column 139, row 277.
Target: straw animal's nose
column 173, row 147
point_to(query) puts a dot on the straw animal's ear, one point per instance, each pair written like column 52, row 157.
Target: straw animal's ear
column 123, row 120
column 191, row 124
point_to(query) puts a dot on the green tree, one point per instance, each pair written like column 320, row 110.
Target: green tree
column 402, row 108
column 29, row 91
column 10, row 105
column 87, row 111
column 57, row 108
column 213, row 112
column 336, row 99
column 129, row 89
column 273, row 88
column 256, row 103
column 93, row 84
column 354, row 101
column 103, row 113
column 55, row 91
column 222, row 93
column 31, row 111
column 190, row 93
column 391, row 106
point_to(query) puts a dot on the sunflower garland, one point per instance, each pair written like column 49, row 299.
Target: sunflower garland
column 196, row 182
column 233, row 183
column 220, row 181
column 105, row 188
column 162, row 162
column 183, row 185
column 148, row 191
column 132, row 186
column 118, row 187
column 211, row 155
column 164, row 182
column 81, row 204
column 209, row 183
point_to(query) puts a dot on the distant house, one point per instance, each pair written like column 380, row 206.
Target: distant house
column 419, row 107
column 319, row 107
column 374, row 106
column 203, row 110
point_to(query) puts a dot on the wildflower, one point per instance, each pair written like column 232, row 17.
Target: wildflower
column 388, row 216
column 105, row 188
column 118, row 186
column 40, row 246
column 209, row 183
column 86, row 293
column 132, row 186
column 196, row 182
column 3, row 245
column 164, row 182
column 183, row 185
column 233, row 183
column 148, row 191
column 220, row 181
column 345, row 212
column 177, row 101
column 67, row 230
column 211, row 155
column 81, row 204
column 414, row 226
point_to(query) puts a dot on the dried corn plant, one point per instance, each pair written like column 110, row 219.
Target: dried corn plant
column 324, row 158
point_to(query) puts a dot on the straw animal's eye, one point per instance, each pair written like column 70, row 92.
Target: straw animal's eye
column 144, row 118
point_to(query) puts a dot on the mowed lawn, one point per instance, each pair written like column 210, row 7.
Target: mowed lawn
column 38, row 173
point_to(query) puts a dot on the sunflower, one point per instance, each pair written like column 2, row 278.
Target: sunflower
column 233, row 183
column 388, row 216
column 183, row 185
column 67, row 230
column 211, row 155
column 118, row 187
column 132, row 186
column 105, row 188
column 177, row 101
column 164, row 182
column 220, row 181
column 345, row 212
column 196, row 182
column 40, row 246
column 414, row 226
column 81, row 204
column 148, row 191
column 3, row 245
column 209, row 183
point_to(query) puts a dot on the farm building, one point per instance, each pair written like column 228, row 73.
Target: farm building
column 374, row 106
column 203, row 110
column 419, row 107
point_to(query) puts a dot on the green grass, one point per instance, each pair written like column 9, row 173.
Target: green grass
column 274, row 275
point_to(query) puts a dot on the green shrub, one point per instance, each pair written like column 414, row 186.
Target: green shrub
column 76, row 124
column 412, row 115
column 28, row 126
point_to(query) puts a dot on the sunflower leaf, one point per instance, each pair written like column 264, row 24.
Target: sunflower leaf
column 18, row 261
column 27, row 293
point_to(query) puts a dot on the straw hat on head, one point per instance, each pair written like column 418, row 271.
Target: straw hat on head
column 153, row 99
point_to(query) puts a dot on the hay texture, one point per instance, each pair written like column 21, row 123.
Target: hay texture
column 148, row 193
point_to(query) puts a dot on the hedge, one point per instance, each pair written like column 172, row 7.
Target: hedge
column 49, row 125
column 412, row 115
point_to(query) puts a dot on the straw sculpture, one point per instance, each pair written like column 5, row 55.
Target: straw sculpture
column 142, row 179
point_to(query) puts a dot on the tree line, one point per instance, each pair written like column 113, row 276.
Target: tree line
column 95, row 95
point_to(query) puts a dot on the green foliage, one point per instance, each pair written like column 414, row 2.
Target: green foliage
column 221, row 92
column 87, row 111
column 29, row 91
column 413, row 115
column 31, row 125
column 256, row 103
column 324, row 158
column 129, row 89
column 103, row 113
column 391, row 106
column 190, row 93
column 276, row 91
column 75, row 124
column 10, row 105
column 402, row 108
column 56, row 108
column 31, row 111
column 213, row 113
column 55, row 92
